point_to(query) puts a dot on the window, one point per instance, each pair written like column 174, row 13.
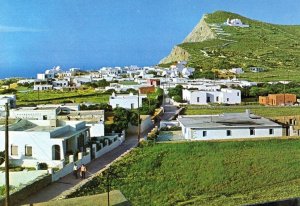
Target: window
column 271, row 131
column 14, row 150
column 227, row 99
column 252, row 131
column 198, row 99
column 238, row 94
column 132, row 105
column 207, row 99
column 204, row 133
column 217, row 99
column 28, row 151
column 228, row 132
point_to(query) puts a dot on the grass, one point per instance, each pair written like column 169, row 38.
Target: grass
column 116, row 199
column 77, row 96
column 276, row 48
column 258, row 110
column 207, row 173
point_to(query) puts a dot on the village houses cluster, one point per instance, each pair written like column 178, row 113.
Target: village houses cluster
column 61, row 135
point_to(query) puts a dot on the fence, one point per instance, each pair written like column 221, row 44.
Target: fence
column 67, row 169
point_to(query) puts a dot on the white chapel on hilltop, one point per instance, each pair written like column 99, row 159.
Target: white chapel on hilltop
column 235, row 22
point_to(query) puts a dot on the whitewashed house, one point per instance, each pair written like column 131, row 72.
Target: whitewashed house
column 49, row 73
column 228, row 126
column 35, row 113
column 222, row 96
column 26, row 81
column 10, row 99
column 237, row 70
column 49, row 141
column 42, row 87
column 78, row 81
column 235, row 22
column 59, row 84
column 126, row 101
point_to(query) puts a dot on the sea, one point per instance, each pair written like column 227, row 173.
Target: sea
column 25, row 73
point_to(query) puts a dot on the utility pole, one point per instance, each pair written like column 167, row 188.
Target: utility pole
column 284, row 94
column 139, row 125
column 108, row 185
column 7, row 202
column 38, row 94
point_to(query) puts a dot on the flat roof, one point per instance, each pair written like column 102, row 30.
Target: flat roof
column 25, row 125
column 225, row 120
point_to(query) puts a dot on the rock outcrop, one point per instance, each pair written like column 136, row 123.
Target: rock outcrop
column 177, row 54
column 201, row 32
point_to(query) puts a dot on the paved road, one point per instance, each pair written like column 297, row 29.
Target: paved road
column 169, row 110
column 55, row 189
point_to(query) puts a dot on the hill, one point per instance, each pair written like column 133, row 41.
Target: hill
column 206, row 173
column 215, row 45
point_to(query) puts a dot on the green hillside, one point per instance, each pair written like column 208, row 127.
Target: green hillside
column 273, row 47
column 206, row 173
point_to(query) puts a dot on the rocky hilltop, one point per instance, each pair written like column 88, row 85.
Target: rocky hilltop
column 201, row 32
column 217, row 43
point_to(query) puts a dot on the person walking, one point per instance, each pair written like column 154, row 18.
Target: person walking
column 83, row 171
column 75, row 171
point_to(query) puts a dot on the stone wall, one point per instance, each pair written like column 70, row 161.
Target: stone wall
column 27, row 190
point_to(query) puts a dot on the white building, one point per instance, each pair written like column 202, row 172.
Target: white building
column 35, row 113
column 235, row 22
column 48, row 141
column 126, row 101
column 228, row 126
column 42, row 87
column 223, row 96
column 59, row 84
column 237, row 70
column 26, row 81
column 78, row 81
column 10, row 99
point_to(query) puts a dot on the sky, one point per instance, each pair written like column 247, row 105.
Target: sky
column 36, row 35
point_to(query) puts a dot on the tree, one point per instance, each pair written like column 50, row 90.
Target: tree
column 177, row 98
column 177, row 91
column 122, row 117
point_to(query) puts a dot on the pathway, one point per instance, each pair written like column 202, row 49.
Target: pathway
column 55, row 189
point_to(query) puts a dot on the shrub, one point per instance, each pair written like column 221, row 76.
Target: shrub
column 172, row 128
column 42, row 166
column 177, row 98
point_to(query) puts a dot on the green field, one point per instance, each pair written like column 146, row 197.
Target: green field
column 77, row 96
column 116, row 198
column 207, row 173
column 258, row 110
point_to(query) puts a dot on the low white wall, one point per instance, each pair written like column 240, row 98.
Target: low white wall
column 168, row 123
column 109, row 147
column 33, row 162
column 22, row 177
column 67, row 169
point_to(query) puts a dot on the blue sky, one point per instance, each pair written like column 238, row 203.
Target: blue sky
column 37, row 34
